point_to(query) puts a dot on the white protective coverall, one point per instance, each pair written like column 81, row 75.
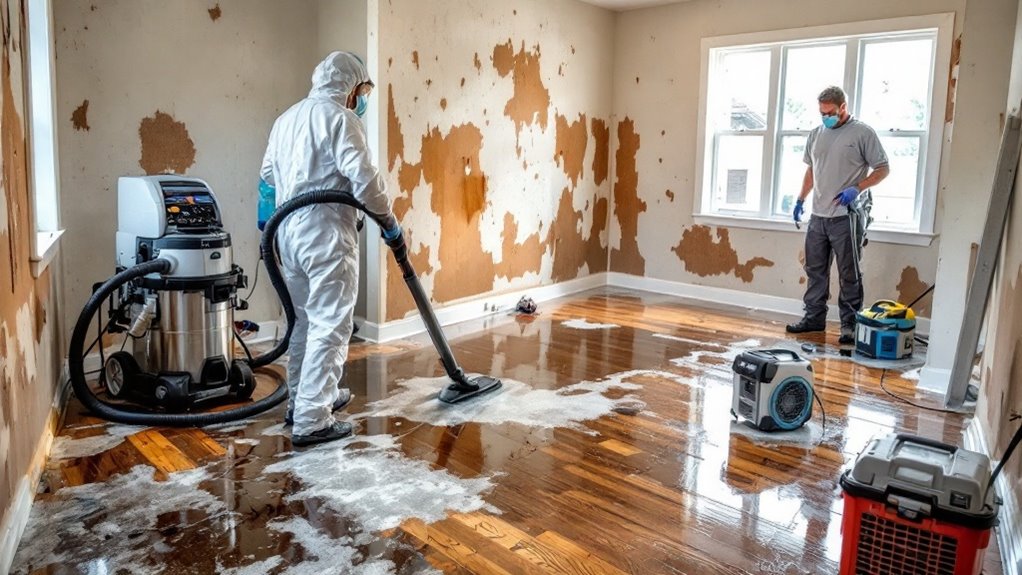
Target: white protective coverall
column 319, row 144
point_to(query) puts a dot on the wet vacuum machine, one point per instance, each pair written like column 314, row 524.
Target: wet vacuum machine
column 174, row 296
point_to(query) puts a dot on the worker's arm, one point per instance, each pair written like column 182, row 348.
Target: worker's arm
column 355, row 162
column 875, row 177
column 807, row 184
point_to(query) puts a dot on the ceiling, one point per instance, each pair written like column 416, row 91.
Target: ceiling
column 622, row 5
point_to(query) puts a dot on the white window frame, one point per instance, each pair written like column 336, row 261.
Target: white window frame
column 42, row 134
column 930, row 147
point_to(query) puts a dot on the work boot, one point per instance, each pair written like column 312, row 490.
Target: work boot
column 847, row 336
column 805, row 326
column 334, row 431
column 343, row 399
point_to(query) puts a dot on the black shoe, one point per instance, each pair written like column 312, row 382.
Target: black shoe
column 336, row 430
column 343, row 399
column 847, row 336
column 805, row 326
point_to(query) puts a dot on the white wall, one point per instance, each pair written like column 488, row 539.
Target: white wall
column 226, row 79
column 657, row 71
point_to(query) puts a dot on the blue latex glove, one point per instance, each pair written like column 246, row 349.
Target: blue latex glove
column 847, row 195
column 392, row 233
column 799, row 210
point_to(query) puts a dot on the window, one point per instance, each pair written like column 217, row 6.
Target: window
column 42, row 134
column 758, row 105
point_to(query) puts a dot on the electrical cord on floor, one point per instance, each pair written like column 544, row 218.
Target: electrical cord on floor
column 255, row 281
column 823, row 417
column 883, row 374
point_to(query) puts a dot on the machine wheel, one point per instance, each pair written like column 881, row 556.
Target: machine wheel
column 120, row 369
column 243, row 379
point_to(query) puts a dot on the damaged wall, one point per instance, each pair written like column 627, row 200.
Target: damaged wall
column 497, row 143
column 191, row 87
column 656, row 103
column 29, row 356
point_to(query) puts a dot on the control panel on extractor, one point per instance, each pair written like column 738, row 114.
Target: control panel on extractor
column 191, row 210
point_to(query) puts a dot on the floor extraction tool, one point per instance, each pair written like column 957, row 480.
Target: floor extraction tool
column 173, row 297
column 462, row 387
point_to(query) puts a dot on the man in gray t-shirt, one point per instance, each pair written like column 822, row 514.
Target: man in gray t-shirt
column 844, row 157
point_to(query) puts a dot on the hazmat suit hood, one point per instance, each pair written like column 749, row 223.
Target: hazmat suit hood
column 337, row 75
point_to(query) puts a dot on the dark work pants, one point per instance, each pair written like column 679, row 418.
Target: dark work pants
column 826, row 240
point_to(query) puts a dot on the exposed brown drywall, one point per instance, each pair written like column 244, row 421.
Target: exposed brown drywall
column 952, row 80
column 570, row 152
column 705, row 256
column 601, row 159
column 910, row 287
column 670, row 196
column 518, row 259
column 1004, row 395
column 477, row 62
column 530, row 103
column 395, row 139
column 571, row 250
column 443, row 103
column 627, row 205
column 215, row 12
column 415, row 58
column 24, row 399
column 166, row 145
column 80, row 117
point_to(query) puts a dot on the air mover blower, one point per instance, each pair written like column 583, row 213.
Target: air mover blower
column 914, row 506
column 773, row 389
column 886, row 330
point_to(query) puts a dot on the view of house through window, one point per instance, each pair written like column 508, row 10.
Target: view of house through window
column 761, row 106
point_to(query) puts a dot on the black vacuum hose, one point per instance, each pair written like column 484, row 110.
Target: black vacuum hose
column 76, row 367
column 268, row 253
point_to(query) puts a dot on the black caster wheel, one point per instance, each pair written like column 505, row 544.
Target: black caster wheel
column 243, row 379
column 120, row 369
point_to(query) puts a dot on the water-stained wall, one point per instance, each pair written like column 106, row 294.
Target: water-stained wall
column 29, row 358
column 146, row 87
column 497, row 142
column 656, row 103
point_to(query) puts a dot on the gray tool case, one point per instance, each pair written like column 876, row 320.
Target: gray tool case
column 925, row 478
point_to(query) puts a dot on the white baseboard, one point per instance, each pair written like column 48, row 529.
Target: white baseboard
column 1009, row 531
column 732, row 297
column 12, row 526
column 476, row 308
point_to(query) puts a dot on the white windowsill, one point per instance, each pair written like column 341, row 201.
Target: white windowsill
column 47, row 245
column 874, row 235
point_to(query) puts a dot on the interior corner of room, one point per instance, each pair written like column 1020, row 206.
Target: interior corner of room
column 639, row 160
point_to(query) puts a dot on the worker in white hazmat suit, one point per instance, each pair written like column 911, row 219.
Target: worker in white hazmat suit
column 320, row 144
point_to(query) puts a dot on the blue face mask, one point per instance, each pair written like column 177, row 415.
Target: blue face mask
column 831, row 121
column 361, row 105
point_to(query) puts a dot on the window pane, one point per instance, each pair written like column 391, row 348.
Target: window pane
column 791, row 170
column 807, row 72
column 894, row 200
column 744, row 90
column 896, row 84
column 739, row 173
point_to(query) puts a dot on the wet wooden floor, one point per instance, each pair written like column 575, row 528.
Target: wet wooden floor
column 670, row 489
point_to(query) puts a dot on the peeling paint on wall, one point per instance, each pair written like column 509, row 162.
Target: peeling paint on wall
column 572, row 140
column 415, row 58
column 627, row 205
column 705, row 257
column 910, row 287
column 518, row 259
column 166, row 145
column 395, row 139
column 670, row 196
column 530, row 103
column 571, row 249
column 952, row 79
column 601, row 159
column 215, row 12
column 80, row 117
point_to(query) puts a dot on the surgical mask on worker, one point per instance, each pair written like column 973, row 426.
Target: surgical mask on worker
column 831, row 121
column 361, row 104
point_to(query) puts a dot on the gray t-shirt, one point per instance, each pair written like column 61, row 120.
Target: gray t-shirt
column 840, row 157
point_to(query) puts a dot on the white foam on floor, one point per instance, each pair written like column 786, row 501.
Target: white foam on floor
column 369, row 480
column 65, row 447
column 246, row 441
column 514, row 402
column 276, row 429
column 111, row 520
column 230, row 426
column 685, row 340
column 696, row 358
column 583, row 324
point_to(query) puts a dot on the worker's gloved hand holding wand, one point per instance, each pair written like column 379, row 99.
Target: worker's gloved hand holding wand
column 393, row 236
column 847, row 195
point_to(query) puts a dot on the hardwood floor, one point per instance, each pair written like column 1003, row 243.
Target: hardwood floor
column 610, row 449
